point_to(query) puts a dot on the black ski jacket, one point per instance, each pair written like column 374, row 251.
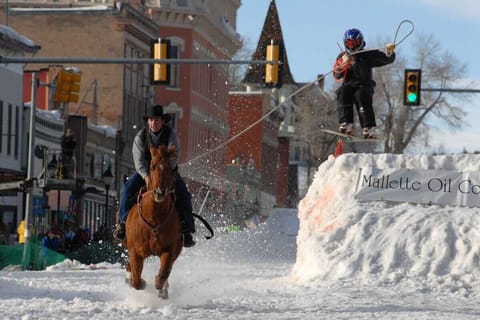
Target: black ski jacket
column 360, row 72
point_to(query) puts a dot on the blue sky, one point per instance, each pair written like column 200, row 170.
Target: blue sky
column 312, row 29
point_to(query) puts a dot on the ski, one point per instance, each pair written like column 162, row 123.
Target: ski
column 350, row 138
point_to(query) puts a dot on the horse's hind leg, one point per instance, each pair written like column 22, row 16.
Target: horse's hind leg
column 161, row 279
column 136, row 268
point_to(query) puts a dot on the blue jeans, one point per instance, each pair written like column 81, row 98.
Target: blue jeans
column 127, row 195
column 183, row 199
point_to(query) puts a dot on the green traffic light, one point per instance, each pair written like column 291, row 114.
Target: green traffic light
column 412, row 97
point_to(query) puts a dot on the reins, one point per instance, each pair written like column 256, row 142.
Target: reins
column 155, row 228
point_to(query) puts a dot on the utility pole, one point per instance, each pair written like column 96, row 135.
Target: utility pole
column 31, row 143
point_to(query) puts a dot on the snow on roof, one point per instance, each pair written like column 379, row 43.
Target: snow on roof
column 107, row 130
column 51, row 114
column 65, row 9
column 14, row 35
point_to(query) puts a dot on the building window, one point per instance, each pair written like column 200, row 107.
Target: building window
column 9, row 133
column 17, row 132
column 174, row 68
column 182, row 3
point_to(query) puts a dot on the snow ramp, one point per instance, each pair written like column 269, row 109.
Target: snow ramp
column 342, row 237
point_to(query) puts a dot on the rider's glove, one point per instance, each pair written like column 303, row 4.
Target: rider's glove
column 389, row 48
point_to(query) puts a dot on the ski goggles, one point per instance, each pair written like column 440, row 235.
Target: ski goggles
column 352, row 44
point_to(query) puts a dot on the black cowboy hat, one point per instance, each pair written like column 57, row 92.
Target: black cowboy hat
column 157, row 111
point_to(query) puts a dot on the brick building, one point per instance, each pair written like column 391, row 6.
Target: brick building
column 197, row 96
column 108, row 91
column 270, row 140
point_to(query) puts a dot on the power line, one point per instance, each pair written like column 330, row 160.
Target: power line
column 451, row 90
column 80, row 60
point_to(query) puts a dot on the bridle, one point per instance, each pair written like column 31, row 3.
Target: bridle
column 159, row 196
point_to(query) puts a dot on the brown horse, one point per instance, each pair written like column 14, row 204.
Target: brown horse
column 153, row 226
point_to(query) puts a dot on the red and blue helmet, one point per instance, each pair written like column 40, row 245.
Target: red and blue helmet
column 353, row 40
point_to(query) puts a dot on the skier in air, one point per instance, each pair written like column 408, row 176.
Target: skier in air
column 353, row 68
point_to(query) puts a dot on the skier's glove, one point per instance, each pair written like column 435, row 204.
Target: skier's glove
column 343, row 63
column 389, row 48
column 346, row 59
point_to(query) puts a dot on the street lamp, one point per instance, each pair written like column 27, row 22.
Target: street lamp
column 52, row 166
column 107, row 180
column 52, row 169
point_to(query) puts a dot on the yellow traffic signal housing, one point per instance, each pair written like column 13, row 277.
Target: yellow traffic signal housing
column 412, row 86
column 62, row 82
column 273, row 72
column 67, row 86
column 74, row 90
column 160, row 72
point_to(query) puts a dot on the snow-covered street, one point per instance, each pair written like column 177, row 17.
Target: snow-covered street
column 364, row 266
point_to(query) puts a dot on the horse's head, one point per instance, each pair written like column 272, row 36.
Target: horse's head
column 161, row 176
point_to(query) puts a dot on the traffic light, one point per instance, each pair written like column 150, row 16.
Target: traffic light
column 412, row 84
column 160, row 72
column 273, row 72
column 74, row 90
column 67, row 85
column 62, row 84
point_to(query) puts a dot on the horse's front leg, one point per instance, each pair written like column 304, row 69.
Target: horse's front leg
column 136, row 268
column 161, row 279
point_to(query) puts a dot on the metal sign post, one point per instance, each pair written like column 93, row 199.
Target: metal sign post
column 31, row 143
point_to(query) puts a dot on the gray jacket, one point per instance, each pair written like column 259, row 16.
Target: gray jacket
column 142, row 166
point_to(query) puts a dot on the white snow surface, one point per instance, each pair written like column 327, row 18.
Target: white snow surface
column 350, row 260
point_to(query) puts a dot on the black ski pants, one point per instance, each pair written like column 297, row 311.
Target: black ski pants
column 362, row 97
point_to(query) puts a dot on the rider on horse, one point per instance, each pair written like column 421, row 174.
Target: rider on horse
column 156, row 133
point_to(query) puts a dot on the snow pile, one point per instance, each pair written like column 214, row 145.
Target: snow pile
column 341, row 237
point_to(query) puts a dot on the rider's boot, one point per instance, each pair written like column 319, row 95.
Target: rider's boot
column 188, row 241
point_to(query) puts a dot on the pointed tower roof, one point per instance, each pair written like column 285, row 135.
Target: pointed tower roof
column 271, row 31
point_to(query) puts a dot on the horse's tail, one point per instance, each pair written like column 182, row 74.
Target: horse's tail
column 205, row 223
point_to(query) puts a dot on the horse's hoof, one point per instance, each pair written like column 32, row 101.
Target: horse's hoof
column 140, row 286
column 163, row 293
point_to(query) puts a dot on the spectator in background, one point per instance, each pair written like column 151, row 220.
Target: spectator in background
column 75, row 237
column 21, row 232
column 50, row 241
column 3, row 234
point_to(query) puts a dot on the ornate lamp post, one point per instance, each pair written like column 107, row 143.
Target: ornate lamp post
column 107, row 180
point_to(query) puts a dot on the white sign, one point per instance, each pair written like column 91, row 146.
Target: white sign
column 419, row 186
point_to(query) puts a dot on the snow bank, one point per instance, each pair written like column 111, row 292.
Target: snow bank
column 341, row 237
